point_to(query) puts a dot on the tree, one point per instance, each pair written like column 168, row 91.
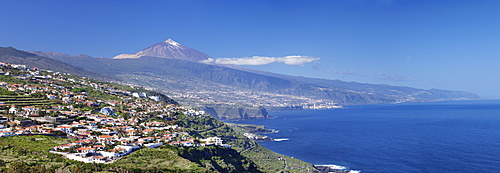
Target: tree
column 78, row 90
column 126, row 116
column 18, row 167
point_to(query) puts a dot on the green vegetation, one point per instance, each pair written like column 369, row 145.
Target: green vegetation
column 4, row 91
column 250, row 128
column 266, row 160
column 31, row 154
column 120, row 87
column 216, row 158
column 12, row 80
column 78, row 90
column 154, row 160
column 271, row 162
column 23, row 100
column 93, row 94
column 203, row 126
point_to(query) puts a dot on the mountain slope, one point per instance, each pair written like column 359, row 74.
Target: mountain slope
column 263, row 81
column 168, row 49
column 14, row 56
column 413, row 94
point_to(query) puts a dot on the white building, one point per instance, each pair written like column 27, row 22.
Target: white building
column 212, row 141
column 140, row 95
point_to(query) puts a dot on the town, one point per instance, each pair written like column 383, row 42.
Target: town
column 106, row 121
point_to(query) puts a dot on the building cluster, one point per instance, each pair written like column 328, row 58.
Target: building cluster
column 105, row 122
column 234, row 96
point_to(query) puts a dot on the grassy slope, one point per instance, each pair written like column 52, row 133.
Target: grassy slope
column 31, row 153
column 266, row 160
column 149, row 159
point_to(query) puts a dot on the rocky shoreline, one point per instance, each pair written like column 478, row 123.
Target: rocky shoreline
column 255, row 132
column 334, row 169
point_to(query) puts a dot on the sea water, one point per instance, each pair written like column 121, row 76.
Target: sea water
column 459, row 136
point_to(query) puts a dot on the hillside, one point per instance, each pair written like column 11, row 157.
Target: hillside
column 14, row 56
column 23, row 101
column 107, row 128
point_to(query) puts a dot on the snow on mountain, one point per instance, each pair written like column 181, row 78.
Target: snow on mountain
column 172, row 43
column 168, row 49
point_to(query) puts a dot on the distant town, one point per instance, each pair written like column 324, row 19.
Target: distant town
column 255, row 99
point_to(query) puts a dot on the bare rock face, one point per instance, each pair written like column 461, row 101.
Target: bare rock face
column 168, row 49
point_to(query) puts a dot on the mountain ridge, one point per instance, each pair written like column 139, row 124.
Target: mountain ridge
column 14, row 56
column 205, row 85
column 337, row 83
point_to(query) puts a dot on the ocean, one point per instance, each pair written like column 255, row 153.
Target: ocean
column 459, row 136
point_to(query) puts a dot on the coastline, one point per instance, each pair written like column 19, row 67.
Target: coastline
column 255, row 132
column 319, row 132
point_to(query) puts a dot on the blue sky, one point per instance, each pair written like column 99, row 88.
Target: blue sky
column 446, row 44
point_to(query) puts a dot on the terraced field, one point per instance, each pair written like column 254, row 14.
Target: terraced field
column 20, row 100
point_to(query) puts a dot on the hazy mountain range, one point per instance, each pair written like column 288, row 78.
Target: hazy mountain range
column 14, row 56
column 230, row 92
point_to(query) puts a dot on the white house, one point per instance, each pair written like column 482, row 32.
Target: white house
column 13, row 110
column 155, row 98
column 140, row 95
column 212, row 140
column 6, row 133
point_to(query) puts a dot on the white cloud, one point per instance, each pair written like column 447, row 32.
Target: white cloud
column 207, row 61
column 262, row 60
